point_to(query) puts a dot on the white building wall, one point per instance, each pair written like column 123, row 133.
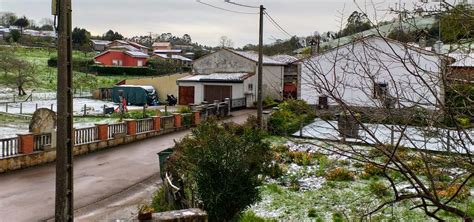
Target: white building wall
column 223, row 61
column 273, row 81
column 350, row 78
column 237, row 90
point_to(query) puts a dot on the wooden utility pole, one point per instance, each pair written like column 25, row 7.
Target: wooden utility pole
column 64, row 209
column 260, row 71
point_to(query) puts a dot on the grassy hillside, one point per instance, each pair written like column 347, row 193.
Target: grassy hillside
column 47, row 75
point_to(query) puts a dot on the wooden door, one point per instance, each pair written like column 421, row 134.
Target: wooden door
column 186, row 95
column 212, row 93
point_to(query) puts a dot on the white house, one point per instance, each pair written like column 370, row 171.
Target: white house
column 231, row 74
column 374, row 72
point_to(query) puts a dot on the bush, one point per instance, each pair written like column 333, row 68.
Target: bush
column 161, row 66
column 372, row 170
column 290, row 116
column 379, row 188
column 122, row 70
column 250, row 216
column 300, row 158
column 137, row 114
column 159, row 202
column 224, row 163
column 80, row 65
column 339, row 174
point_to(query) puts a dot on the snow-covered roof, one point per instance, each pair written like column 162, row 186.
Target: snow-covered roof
column 137, row 54
column 254, row 57
column 168, row 51
column 177, row 57
column 217, row 77
column 100, row 42
column 124, row 47
column 462, row 60
column 284, row 58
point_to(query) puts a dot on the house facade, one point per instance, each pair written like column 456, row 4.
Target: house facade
column 122, row 58
column 99, row 45
column 374, row 72
column 231, row 74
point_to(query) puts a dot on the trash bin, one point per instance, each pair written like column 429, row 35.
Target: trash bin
column 109, row 110
column 163, row 156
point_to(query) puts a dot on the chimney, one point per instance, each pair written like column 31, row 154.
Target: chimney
column 315, row 42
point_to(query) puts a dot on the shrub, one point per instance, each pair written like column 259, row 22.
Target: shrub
column 224, row 163
column 449, row 191
column 122, row 70
column 458, row 97
column 184, row 109
column 162, row 66
column 339, row 174
column 159, row 202
column 274, row 188
column 337, row 217
column 250, row 216
column 312, row 213
column 373, row 170
column 300, row 158
column 464, row 121
column 289, row 117
column 379, row 188
column 80, row 65
column 294, row 183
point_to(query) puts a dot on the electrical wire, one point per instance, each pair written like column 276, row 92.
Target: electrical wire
column 235, row 3
column 276, row 24
column 224, row 9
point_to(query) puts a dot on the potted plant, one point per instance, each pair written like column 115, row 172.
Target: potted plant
column 145, row 212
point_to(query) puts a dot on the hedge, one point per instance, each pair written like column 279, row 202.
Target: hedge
column 80, row 65
column 122, row 70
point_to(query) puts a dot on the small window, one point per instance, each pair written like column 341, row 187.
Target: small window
column 380, row 90
column 250, row 87
column 140, row 63
column 115, row 62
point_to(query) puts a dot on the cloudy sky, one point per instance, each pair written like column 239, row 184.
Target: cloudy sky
column 205, row 24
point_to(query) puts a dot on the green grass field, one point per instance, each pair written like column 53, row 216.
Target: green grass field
column 47, row 75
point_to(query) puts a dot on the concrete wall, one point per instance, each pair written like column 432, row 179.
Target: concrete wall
column 349, row 73
column 163, row 84
column 223, row 61
column 237, row 90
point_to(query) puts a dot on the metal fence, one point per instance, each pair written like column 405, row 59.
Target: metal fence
column 85, row 135
column 41, row 141
column 9, row 147
column 117, row 128
column 144, row 125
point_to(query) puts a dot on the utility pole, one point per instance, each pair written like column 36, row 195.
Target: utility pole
column 64, row 210
column 260, row 71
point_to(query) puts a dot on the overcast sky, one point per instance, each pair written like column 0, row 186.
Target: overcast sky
column 203, row 23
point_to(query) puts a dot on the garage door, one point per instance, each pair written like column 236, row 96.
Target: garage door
column 186, row 95
column 212, row 93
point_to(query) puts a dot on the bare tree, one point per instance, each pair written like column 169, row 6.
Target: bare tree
column 19, row 73
column 390, row 107
column 225, row 42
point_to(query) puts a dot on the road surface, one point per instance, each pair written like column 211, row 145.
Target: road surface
column 28, row 195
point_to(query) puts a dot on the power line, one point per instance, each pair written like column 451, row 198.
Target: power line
column 224, row 9
column 277, row 25
column 238, row 4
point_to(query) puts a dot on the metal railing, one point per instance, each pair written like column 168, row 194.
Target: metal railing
column 9, row 147
column 167, row 122
column 85, row 135
column 144, row 125
column 41, row 141
column 117, row 128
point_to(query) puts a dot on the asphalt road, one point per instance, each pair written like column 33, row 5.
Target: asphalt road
column 28, row 195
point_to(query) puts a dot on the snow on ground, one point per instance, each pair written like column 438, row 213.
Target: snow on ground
column 93, row 106
column 428, row 138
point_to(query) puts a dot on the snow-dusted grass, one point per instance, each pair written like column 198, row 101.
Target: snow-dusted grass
column 318, row 199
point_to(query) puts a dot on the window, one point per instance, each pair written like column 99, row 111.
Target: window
column 250, row 87
column 140, row 63
column 117, row 62
column 380, row 90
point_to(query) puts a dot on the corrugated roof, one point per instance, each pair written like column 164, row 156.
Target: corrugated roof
column 124, row 47
column 218, row 77
column 168, row 50
column 254, row 57
column 137, row 54
column 284, row 58
column 137, row 45
column 177, row 57
column 100, row 42
column 462, row 60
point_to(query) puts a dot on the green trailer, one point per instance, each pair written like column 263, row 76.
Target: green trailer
column 135, row 95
